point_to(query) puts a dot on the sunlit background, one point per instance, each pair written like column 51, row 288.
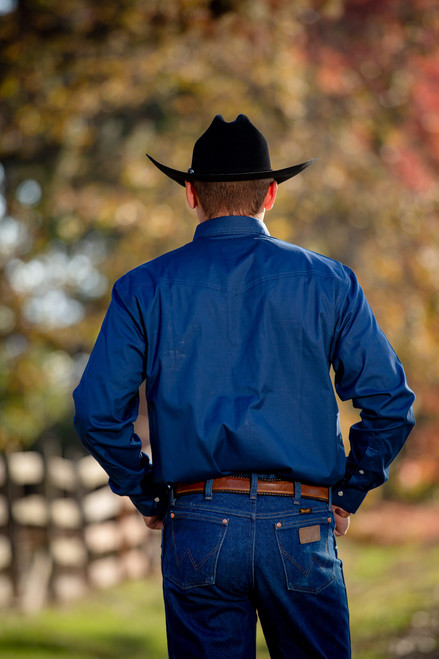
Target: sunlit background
column 88, row 87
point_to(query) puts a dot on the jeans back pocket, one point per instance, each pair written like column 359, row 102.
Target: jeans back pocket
column 192, row 545
column 307, row 552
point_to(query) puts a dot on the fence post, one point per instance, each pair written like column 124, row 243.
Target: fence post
column 63, row 531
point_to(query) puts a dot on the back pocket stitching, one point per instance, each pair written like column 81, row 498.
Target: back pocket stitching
column 188, row 553
column 306, row 572
column 208, row 581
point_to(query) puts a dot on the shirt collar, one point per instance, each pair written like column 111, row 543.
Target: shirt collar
column 229, row 225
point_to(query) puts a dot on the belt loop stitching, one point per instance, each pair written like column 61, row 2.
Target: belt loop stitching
column 208, row 490
column 297, row 493
column 253, row 486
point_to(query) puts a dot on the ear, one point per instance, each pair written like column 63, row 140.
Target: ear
column 191, row 195
column 271, row 196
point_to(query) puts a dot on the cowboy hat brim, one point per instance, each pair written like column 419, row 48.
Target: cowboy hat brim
column 279, row 175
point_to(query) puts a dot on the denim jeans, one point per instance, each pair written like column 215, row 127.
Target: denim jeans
column 228, row 557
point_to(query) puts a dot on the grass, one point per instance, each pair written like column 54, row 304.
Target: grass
column 126, row 621
column 393, row 597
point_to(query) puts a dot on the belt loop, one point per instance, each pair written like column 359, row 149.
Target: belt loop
column 297, row 493
column 253, row 486
column 208, row 490
column 171, row 496
column 329, row 497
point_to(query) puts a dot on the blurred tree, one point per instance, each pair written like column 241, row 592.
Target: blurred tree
column 88, row 88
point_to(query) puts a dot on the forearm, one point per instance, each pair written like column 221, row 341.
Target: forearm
column 372, row 452
column 129, row 469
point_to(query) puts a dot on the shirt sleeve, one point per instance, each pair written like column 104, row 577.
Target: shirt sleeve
column 107, row 404
column 368, row 372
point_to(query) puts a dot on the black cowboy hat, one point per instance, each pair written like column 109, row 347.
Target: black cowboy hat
column 234, row 151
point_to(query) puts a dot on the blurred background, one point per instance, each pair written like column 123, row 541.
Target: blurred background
column 87, row 88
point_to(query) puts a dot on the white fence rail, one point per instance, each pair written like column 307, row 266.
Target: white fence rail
column 62, row 531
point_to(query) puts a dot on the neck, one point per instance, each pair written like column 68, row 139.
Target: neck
column 202, row 217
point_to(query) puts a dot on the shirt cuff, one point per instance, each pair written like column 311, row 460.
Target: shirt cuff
column 150, row 506
column 348, row 498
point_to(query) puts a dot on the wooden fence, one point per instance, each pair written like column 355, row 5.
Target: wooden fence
column 62, row 531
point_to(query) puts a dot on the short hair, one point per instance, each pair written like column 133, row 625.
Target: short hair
column 232, row 197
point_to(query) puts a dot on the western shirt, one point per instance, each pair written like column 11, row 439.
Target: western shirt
column 235, row 334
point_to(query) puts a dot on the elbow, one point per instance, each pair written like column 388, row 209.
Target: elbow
column 411, row 421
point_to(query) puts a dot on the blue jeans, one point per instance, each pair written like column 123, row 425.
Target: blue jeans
column 229, row 557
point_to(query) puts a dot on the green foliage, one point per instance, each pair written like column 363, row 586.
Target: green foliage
column 89, row 88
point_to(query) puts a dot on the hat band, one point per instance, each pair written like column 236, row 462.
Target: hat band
column 222, row 175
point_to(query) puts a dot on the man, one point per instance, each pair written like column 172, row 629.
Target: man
column 235, row 334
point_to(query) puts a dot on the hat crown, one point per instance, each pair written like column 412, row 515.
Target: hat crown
column 234, row 151
column 236, row 147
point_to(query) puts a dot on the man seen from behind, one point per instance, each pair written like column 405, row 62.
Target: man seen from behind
column 234, row 335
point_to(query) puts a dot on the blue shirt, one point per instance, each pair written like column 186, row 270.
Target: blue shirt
column 235, row 334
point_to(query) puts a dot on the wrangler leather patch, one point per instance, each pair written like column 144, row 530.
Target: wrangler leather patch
column 309, row 534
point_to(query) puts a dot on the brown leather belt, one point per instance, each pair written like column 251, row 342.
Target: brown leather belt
column 241, row 485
